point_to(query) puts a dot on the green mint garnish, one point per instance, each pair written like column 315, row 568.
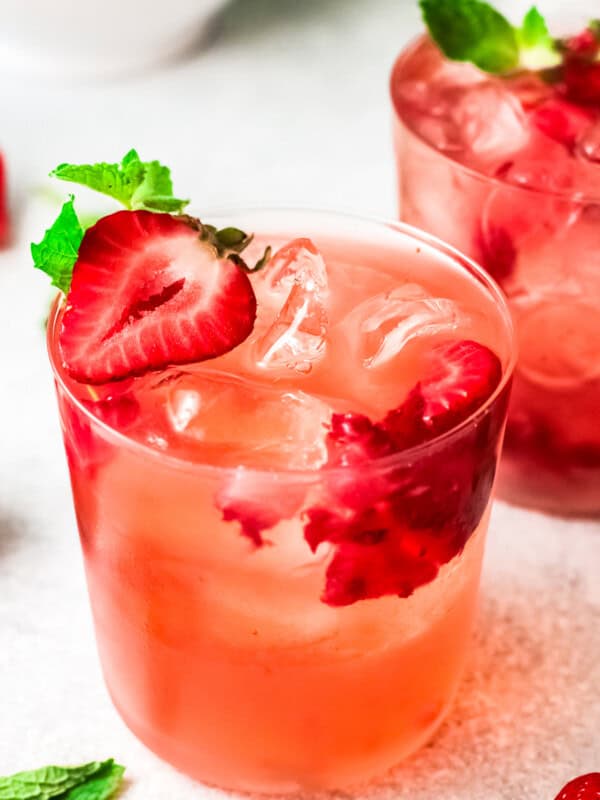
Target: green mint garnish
column 135, row 183
column 97, row 780
column 138, row 185
column 473, row 30
column 56, row 254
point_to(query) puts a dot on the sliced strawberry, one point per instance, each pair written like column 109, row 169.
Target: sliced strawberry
column 458, row 378
column 562, row 121
column 258, row 502
column 146, row 293
column 4, row 216
column 585, row 787
column 394, row 527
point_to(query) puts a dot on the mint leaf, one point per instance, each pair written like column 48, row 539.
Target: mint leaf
column 472, row 30
column 537, row 47
column 100, row 786
column 56, row 254
column 134, row 183
column 47, row 782
column 534, row 30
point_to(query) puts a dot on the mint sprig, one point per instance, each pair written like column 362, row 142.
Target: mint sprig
column 97, row 780
column 135, row 183
column 138, row 185
column 56, row 254
column 473, row 30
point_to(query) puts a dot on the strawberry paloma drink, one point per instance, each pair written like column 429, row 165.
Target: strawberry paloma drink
column 281, row 462
column 506, row 167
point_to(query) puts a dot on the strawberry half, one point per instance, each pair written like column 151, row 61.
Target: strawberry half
column 147, row 292
column 585, row 787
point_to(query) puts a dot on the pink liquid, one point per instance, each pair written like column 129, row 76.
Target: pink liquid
column 221, row 655
column 510, row 173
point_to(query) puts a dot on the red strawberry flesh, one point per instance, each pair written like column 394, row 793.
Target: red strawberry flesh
column 147, row 293
column 458, row 378
column 562, row 121
column 585, row 787
column 393, row 526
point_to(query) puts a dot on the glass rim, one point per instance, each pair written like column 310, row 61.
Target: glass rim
column 406, row 456
column 574, row 197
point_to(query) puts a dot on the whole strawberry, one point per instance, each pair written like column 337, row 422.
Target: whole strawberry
column 585, row 787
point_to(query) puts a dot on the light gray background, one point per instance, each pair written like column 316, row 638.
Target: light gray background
column 287, row 105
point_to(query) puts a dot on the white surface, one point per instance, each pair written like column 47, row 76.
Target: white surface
column 288, row 106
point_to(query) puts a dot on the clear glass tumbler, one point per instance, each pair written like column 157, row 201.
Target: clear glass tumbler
column 235, row 657
column 479, row 190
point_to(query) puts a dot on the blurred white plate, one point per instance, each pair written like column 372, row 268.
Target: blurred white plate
column 79, row 38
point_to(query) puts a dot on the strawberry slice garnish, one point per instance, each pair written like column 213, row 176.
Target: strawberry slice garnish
column 148, row 292
column 585, row 787
column 458, row 378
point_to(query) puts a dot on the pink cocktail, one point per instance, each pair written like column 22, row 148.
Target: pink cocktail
column 508, row 170
column 283, row 544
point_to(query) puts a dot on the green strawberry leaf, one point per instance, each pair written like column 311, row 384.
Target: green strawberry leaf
column 134, row 183
column 47, row 782
column 56, row 254
column 99, row 786
column 472, row 30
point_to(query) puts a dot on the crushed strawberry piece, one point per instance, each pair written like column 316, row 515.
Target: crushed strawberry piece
column 561, row 121
column 585, row 787
column 393, row 527
column 582, row 81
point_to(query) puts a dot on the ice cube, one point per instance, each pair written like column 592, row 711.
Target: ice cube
column 299, row 261
column 384, row 324
column 297, row 337
column 232, row 421
column 475, row 124
column 294, row 283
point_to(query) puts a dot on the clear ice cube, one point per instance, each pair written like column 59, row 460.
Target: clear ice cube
column 235, row 421
column 482, row 122
column 384, row 324
column 296, row 339
column 299, row 261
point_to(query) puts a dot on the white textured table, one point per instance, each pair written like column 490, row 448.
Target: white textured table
column 288, row 106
